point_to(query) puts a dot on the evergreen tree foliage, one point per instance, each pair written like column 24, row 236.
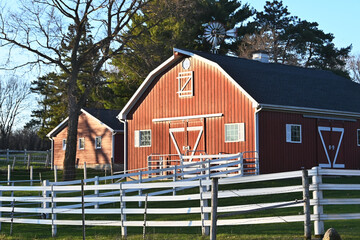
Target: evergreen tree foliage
column 169, row 24
column 290, row 40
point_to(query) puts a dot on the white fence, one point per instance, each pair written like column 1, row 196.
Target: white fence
column 64, row 198
column 24, row 157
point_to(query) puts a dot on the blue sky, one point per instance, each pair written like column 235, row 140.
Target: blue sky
column 342, row 18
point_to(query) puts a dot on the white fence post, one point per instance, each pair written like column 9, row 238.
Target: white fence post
column 241, row 164
column 96, row 192
column 318, row 208
column 8, row 175
column 13, row 165
column 28, row 162
column 140, row 189
column 174, row 179
column 45, row 197
column 204, row 216
column 53, row 215
column 85, row 172
column 55, row 174
column 123, row 215
column 7, row 155
column 31, row 175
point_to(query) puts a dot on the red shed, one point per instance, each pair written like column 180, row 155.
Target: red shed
column 100, row 139
column 198, row 102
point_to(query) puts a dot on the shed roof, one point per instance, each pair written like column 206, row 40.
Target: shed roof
column 105, row 116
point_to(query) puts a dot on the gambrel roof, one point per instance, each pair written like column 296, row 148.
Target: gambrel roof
column 275, row 86
column 104, row 116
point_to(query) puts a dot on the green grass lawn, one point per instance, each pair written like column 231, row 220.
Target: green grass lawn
column 349, row 229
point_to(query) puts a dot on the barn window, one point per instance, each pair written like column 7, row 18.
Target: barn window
column 293, row 133
column 235, row 132
column 186, row 84
column 358, row 137
column 81, row 143
column 64, row 144
column 98, row 143
column 143, row 138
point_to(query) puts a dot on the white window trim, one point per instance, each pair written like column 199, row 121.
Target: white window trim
column 64, row 144
column 241, row 136
column 98, row 137
column 357, row 137
column 137, row 138
column 288, row 133
column 80, row 144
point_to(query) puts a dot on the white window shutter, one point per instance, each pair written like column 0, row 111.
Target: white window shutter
column 137, row 138
column 241, row 132
column 288, row 132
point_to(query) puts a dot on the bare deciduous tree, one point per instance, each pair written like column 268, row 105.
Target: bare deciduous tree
column 353, row 65
column 42, row 26
column 13, row 95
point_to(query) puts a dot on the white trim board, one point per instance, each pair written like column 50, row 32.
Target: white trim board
column 329, row 129
column 169, row 119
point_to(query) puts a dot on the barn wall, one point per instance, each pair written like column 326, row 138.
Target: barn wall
column 213, row 93
column 88, row 128
column 277, row 155
column 119, row 148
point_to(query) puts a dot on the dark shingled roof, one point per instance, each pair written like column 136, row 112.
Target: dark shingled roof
column 285, row 85
column 107, row 117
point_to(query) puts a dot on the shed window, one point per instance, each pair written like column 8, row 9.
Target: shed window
column 64, row 144
column 293, row 133
column 98, row 143
column 81, row 143
column 358, row 137
column 235, row 132
column 143, row 138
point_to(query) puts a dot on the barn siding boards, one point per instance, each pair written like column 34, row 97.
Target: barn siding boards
column 277, row 155
column 211, row 95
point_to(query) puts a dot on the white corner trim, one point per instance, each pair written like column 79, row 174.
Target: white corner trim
column 187, row 117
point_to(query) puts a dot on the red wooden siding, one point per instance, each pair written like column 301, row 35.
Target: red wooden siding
column 213, row 93
column 278, row 155
column 119, row 148
column 88, row 128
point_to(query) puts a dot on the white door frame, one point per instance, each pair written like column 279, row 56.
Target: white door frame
column 182, row 129
column 329, row 129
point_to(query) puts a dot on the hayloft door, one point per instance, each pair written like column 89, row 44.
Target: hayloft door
column 330, row 149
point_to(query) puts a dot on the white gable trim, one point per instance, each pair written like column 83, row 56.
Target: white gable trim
column 148, row 80
column 153, row 74
column 49, row 135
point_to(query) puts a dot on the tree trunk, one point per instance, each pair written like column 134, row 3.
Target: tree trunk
column 71, row 144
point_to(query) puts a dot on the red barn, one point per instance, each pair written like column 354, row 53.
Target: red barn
column 100, row 139
column 200, row 102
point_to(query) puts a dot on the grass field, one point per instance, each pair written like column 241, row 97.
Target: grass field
column 349, row 229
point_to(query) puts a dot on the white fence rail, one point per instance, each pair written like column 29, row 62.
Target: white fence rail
column 24, row 157
column 120, row 200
